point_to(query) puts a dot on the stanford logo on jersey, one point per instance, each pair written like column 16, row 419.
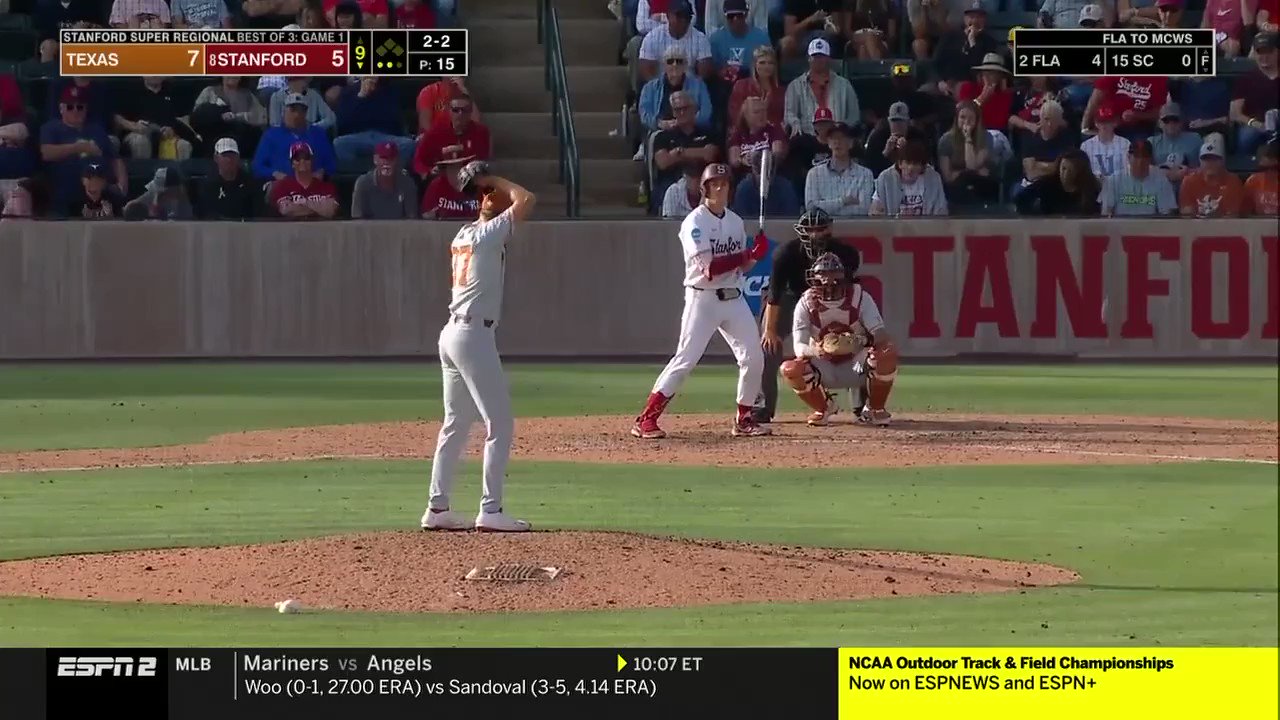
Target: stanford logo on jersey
column 727, row 246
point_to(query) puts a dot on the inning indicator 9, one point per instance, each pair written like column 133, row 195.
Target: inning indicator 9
column 1134, row 52
column 181, row 53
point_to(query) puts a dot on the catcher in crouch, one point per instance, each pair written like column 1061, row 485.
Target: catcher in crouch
column 840, row 343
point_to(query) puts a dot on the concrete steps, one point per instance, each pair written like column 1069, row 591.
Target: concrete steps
column 530, row 135
column 509, row 84
column 508, row 42
column 522, row 89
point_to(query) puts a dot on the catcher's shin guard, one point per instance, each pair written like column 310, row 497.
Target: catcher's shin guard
column 883, row 362
column 803, row 379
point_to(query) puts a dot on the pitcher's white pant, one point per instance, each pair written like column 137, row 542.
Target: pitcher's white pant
column 475, row 388
column 704, row 313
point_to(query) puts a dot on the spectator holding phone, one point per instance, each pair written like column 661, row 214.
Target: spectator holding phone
column 1254, row 97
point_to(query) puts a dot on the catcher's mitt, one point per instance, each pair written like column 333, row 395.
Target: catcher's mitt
column 470, row 173
column 835, row 344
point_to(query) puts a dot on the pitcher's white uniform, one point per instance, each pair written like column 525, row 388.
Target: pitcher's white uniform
column 855, row 313
column 704, row 237
column 475, row 387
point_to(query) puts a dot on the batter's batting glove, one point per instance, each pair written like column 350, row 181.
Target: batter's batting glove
column 759, row 246
column 470, row 173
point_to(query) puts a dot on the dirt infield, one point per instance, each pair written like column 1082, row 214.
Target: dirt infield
column 918, row 439
column 601, row 571
column 606, row 570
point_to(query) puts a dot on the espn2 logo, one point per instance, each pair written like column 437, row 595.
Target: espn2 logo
column 113, row 666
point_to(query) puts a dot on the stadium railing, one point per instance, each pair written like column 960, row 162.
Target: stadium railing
column 557, row 82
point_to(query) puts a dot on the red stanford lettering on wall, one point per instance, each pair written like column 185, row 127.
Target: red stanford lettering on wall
column 1064, row 285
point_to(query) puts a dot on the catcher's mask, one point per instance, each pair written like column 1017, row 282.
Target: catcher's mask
column 814, row 230
column 827, row 275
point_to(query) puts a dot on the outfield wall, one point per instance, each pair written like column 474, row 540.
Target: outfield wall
column 1096, row 288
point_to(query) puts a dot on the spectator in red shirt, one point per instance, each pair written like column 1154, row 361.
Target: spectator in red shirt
column 16, row 158
column 753, row 133
column 1135, row 100
column 303, row 195
column 415, row 14
column 990, row 92
column 1228, row 19
column 763, row 83
column 373, row 12
column 443, row 198
column 433, row 101
column 469, row 136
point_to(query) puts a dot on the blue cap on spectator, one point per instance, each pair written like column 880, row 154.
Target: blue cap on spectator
column 735, row 7
column 680, row 7
column 974, row 6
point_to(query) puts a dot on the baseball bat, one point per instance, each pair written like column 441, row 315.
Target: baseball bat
column 766, row 159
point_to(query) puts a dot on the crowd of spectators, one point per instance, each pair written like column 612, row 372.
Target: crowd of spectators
column 894, row 107
column 238, row 148
column 884, row 107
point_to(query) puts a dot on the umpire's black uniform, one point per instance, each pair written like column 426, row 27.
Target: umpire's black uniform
column 787, row 282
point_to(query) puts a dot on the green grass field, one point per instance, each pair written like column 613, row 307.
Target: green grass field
column 1174, row 554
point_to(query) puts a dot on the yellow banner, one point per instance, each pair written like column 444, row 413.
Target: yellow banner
column 1058, row 683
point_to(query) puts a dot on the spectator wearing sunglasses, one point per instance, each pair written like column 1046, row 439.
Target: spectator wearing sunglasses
column 655, row 98
column 460, row 133
column 70, row 142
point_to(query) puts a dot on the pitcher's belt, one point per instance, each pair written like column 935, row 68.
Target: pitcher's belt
column 468, row 320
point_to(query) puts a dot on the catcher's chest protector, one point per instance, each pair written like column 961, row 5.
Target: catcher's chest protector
column 835, row 316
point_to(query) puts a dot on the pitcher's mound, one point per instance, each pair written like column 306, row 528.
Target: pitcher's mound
column 425, row 572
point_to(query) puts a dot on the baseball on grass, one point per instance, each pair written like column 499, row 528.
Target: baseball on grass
column 289, row 606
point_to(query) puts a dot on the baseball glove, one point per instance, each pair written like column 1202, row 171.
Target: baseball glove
column 834, row 344
column 470, row 173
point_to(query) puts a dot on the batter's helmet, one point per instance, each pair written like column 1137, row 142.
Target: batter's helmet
column 813, row 229
column 827, row 275
column 715, row 171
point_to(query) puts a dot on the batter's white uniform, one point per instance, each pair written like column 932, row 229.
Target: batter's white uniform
column 814, row 318
column 475, row 387
column 704, row 237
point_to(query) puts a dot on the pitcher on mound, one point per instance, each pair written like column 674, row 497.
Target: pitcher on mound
column 840, row 343
column 716, row 256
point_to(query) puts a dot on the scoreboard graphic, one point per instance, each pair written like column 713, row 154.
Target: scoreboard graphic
column 1135, row 52
column 184, row 53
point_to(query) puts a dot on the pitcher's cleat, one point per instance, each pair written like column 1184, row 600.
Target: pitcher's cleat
column 445, row 520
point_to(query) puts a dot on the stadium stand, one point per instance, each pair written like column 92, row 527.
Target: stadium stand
column 573, row 101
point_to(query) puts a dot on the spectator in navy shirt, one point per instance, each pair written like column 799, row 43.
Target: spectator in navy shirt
column 271, row 161
column 369, row 114
column 68, row 143
column 1206, row 104
column 100, row 109
column 50, row 16
column 16, row 158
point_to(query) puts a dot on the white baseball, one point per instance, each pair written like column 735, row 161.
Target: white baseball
column 289, row 606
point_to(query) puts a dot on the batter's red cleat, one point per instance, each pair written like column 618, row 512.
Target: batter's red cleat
column 647, row 429
column 748, row 427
